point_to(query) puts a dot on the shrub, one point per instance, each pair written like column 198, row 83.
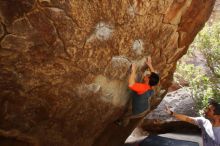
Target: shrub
column 203, row 84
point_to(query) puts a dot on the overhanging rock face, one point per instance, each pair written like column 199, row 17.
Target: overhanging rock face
column 64, row 64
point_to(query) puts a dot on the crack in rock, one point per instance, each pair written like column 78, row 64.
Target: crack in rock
column 1, row 30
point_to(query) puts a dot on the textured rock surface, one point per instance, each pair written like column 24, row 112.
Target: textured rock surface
column 64, row 64
column 216, row 12
column 180, row 101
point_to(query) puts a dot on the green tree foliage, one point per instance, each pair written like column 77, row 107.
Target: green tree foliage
column 208, row 42
column 204, row 85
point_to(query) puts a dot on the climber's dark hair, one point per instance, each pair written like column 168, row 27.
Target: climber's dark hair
column 154, row 79
column 216, row 106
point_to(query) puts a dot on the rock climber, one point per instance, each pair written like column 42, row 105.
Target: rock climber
column 142, row 91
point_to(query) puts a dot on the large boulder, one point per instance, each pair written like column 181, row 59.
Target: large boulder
column 180, row 101
column 64, row 64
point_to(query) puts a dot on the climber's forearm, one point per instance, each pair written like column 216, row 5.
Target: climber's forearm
column 151, row 68
column 131, row 79
column 184, row 118
column 149, row 64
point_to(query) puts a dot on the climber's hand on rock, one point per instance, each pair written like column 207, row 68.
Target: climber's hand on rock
column 167, row 110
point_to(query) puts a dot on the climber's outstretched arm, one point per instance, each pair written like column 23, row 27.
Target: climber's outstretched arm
column 180, row 117
column 149, row 63
column 132, row 76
